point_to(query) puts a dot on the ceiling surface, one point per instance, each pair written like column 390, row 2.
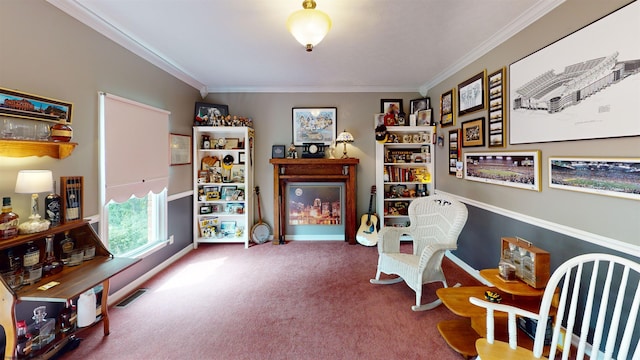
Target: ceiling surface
column 244, row 45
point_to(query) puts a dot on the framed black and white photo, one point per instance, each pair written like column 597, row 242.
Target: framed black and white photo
column 471, row 94
column 314, row 125
column 416, row 105
column 206, row 114
column 573, row 89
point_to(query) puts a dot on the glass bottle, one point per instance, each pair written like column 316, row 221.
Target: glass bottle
column 66, row 247
column 61, row 132
column 8, row 220
column 43, row 329
column 516, row 259
column 23, row 348
column 31, row 255
column 51, row 264
column 53, row 206
column 66, row 318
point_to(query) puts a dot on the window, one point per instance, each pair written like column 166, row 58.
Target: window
column 134, row 226
column 134, row 175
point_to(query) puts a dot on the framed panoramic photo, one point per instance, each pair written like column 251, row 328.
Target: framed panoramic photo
column 447, row 104
column 314, row 125
column 519, row 169
column 471, row 94
column 573, row 90
column 473, row 133
column 22, row 105
column 618, row 177
column 496, row 112
column 206, row 113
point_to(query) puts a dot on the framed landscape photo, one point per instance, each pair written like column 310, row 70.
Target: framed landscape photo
column 471, row 94
column 22, row 105
column 573, row 90
column 496, row 84
column 206, row 113
column 619, row 177
column 473, row 133
column 314, row 125
column 519, row 169
column 447, row 104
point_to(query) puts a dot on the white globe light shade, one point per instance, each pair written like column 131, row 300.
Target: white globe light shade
column 309, row 26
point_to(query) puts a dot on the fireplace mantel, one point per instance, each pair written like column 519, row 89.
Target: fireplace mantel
column 314, row 170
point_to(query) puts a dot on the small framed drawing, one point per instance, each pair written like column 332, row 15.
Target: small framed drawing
column 206, row 114
column 314, row 125
column 447, row 104
column 471, row 94
column 473, row 132
column 424, row 118
column 180, row 146
column 416, row 105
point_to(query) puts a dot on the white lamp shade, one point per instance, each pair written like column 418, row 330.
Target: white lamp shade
column 309, row 26
column 345, row 137
column 34, row 181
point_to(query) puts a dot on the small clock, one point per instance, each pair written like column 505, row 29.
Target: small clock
column 313, row 150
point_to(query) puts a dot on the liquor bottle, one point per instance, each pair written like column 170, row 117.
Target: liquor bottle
column 51, row 264
column 43, row 329
column 23, row 348
column 66, row 318
column 31, row 255
column 66, row 247
column 8, row 220
column 53, row 206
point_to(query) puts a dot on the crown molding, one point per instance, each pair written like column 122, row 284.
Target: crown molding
column 540, row 9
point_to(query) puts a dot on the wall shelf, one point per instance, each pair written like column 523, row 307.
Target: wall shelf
column 23, row 148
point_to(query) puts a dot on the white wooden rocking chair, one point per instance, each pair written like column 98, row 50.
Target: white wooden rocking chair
column 436, row 222
column 606, row 289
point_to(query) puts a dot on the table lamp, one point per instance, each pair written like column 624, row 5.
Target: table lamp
column 344, row 137
column 34, row 182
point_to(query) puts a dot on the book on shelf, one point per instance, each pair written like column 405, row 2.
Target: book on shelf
column 208, row 226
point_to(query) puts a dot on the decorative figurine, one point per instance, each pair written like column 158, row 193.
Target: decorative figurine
column 292, row 153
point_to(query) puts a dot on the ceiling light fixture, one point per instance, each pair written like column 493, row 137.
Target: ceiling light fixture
column 309, row 26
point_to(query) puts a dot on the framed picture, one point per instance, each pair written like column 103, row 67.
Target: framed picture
column 237, row 173
column 473, row 132
column 243, row 158
column 471, row 94
column 314, row 125
column 447, row 104
column 585, row 93
column 72, row 198
column 235, row 208
column 226, row 192
column 232, row 143
column 278, row 151
column 22, row 105
column 207, row 113
column 228, row 228
column 378, row 119
column 416, row 105
column 424, row 118
column 393, row 106
column 454, row 150
column 205, row 209
column 519, row 169
column 212, row 194
column 619, row 177
column 180, row 146
column 496, row 83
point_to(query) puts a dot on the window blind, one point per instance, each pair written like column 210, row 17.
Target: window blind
column 135, row 153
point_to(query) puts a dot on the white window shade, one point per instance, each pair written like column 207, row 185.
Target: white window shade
column 135, row 159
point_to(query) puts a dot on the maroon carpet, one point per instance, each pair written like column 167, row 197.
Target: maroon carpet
column 303, row 300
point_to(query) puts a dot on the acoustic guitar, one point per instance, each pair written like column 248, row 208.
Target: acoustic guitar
column 368, row 232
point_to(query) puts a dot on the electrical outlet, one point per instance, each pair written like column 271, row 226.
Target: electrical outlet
column 171, row 240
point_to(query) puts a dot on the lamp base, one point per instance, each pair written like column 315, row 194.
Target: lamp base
column 34, row 225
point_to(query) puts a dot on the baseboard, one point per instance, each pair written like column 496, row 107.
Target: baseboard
column 117, row 296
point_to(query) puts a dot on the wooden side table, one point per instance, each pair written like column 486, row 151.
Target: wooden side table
column 461, row 334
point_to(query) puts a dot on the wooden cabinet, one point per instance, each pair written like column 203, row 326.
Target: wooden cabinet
column 404, row 171
column 73, row 281
column 22, row 148
column 223, row 184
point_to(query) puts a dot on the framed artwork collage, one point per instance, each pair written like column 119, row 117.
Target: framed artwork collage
column 552, row 96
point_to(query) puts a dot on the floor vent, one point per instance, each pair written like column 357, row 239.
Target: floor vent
column 131, row 298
